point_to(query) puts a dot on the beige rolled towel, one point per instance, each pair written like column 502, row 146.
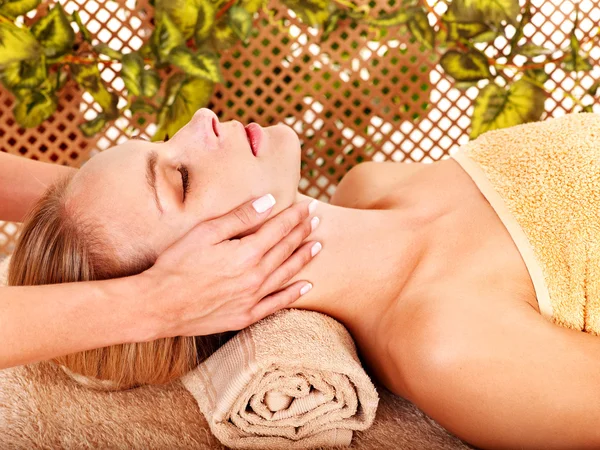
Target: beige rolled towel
column 293, row 380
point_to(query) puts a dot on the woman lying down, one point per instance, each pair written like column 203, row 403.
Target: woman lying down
column 466, row 283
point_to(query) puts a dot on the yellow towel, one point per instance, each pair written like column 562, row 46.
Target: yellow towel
column 543, row 180
column 292, row 380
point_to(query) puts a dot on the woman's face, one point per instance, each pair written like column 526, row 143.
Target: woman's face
column 147, row 195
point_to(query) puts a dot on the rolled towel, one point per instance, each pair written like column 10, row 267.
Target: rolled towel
column 292, row 380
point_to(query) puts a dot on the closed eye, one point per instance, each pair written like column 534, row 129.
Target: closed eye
column 185, row 182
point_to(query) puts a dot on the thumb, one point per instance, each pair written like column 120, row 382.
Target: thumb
column 239, row 220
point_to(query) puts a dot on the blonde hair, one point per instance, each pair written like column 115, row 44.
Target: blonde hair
column 58, row 246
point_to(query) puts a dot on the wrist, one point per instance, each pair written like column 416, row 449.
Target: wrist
column 149, row 315
column 133, row 305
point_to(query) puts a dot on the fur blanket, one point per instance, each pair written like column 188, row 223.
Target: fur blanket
column 41, row 407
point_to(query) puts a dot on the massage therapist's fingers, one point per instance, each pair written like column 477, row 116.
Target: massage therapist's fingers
column 240, row 219
column 277, row 228
column 290, row 268
column 286, row 247
column 278, row 300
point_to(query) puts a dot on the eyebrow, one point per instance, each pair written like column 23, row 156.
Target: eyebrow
column 151, row 162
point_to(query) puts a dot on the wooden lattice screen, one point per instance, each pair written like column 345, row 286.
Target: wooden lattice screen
column 350, row 98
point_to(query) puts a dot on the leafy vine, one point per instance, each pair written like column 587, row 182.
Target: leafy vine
column 190, row 35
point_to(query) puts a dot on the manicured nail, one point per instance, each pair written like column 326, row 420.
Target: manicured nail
column 312, row 206
column 264, row 203
column 315, row 249
column 314, row 223
column 307, row 287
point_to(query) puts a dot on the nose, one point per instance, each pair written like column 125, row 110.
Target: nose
column 209, row 120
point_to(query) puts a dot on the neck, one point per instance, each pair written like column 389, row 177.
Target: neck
column 368, row 256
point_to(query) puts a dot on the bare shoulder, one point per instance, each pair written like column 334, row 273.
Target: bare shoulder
column 367, row 183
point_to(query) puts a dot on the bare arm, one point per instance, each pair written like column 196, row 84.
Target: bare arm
column 207, row 282
column 22, row 182
column 42, row 322
column 498, row 375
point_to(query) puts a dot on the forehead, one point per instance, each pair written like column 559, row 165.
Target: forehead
column 121, row 156
column 110, row 190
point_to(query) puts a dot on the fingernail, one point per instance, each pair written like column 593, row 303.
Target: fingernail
column 315, row 249
column 307, row 287
column 312, row 206
column 314, row 223
column 264, row 203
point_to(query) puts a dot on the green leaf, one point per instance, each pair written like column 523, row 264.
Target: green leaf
column 85, row 33
column 331, row 24
column 166, row 37
column 495, row 107
column 462, row 30
column 223, row 35
column 203, row 65
column 140, row 105
column 486, row 11
column 485, row 36
column 576, row 63
column 457, row 28
column 470, row 66
column 539, row 75
column 240, row 22
column 184, row 96
column 27, row 74
column 593, row 90
column 525, row 19
column 391, row 19
column 16, row 44
column 150, row 83
column 182, row 13
column 464, row 85
column 146, row 51
column 34, row 107
column 88, row 77
column 137, row 79
column 420, row 28
column 104, row 49
column 14, row 8
column 252, row 6
column 57, row 79
column 54, row 32
column 576, row 60
column 311, row 12
column 530, row 50
column 205, row 21
column 91, row 127
column 131, row 72
column 587, row 108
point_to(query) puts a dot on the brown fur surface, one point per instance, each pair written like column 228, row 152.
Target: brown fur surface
column 42, row 408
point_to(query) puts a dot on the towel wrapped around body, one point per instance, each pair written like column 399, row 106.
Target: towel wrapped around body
column 543, row 180
column 292, row 380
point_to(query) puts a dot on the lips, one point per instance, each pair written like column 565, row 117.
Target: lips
column 254, row 134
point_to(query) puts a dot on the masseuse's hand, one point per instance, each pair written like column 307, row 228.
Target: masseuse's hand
column 211, row 282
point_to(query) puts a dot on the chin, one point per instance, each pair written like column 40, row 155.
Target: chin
column 287, row 136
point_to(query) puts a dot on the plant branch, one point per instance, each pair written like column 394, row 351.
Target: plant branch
column 220, row 13
column 86, row 60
